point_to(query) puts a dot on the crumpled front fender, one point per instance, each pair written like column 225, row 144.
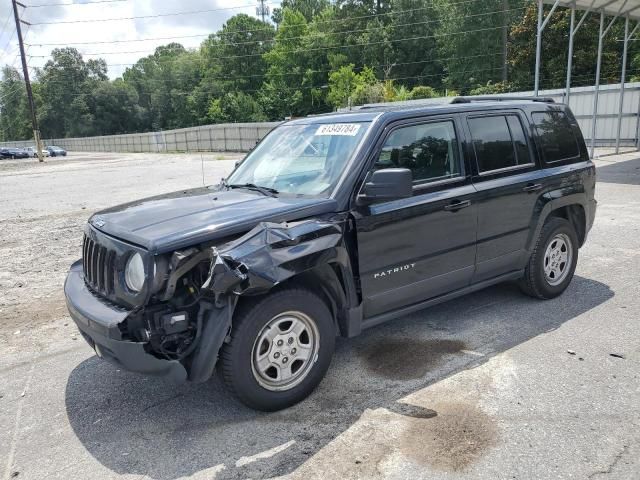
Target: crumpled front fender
column 272, row 253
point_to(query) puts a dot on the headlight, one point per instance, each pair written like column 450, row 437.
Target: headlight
column 134, row 273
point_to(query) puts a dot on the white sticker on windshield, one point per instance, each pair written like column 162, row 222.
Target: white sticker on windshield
column 344, row 129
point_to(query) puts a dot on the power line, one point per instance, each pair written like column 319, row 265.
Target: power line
column 307, row 50
column 140, row 17
column 274, row 40
column 119, row 41
column 16, row 89
column 307, row 87
column 61, row 4
column 233, row 32
column 4, row 49
column 305, row 72
column 5, row 24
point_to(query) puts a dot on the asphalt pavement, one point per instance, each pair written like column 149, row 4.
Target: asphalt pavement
column 494, row 385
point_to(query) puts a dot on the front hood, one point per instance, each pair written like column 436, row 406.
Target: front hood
column 177, row 220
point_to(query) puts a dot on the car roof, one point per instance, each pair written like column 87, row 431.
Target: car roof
column 399, row 110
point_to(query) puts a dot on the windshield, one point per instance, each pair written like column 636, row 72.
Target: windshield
column 301, row 159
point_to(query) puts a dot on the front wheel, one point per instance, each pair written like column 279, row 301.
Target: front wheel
column 280, row 349
column 553, row 261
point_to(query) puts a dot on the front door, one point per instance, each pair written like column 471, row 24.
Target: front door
column 417, row 248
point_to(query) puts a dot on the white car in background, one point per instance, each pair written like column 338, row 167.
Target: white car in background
column 34, row 153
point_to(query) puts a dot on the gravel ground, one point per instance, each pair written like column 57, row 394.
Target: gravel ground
column 493, row 385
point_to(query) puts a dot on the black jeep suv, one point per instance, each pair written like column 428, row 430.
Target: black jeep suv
column 331, row 225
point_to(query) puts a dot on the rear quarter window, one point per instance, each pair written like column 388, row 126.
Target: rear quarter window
column 557, row 139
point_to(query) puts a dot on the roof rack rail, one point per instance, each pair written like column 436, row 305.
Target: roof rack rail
column 502, row 99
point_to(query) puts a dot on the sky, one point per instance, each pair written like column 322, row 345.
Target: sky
column 195, row 26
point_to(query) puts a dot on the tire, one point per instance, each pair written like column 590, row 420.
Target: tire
column 261, row 365
column 556, row 237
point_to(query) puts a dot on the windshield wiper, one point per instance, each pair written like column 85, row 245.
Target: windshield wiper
column 266, row 191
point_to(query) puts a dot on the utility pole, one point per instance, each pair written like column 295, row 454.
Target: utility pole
column 262, row 10
column 25, row 70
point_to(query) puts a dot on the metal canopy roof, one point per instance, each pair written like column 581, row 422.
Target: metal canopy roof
column 612, row 8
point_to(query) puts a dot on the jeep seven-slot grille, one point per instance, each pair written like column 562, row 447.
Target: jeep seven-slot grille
column 99, row 265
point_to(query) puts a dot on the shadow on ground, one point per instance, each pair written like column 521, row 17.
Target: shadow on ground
column 138, row 425
column 625, row 172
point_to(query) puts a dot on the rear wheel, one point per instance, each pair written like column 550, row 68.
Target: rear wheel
column 553, row 261
column 280, row 349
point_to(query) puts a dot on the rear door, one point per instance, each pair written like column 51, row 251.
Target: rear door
column 509, row 182
column 413, row 249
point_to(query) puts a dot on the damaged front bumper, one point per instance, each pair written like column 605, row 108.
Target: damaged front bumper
column 99, row 324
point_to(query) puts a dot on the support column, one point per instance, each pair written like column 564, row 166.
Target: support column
column 570, row 56
column 597, row 87
column 623, row 77
column 538, row 47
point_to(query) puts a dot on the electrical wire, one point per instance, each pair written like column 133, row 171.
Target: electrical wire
column 142, row 17
column 307, row 72
column 273, row 40
column 61, row 4
column 315, row 49
column 333, row 21
column 2, row 30
column 302, row 87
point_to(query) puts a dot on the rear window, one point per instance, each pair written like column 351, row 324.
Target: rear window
column 556, row 136
column 499, row 142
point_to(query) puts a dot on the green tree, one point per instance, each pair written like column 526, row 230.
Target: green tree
column 15, row 123
column 235, row 107
column 345, row 85
column 421, row 92
column 472, row 42
column 287, row 87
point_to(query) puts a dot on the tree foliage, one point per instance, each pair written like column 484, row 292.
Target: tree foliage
column 312, row 57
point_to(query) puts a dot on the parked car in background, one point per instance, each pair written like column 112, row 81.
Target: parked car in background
column 56, row 151
column 33, row 152
column 13, row 153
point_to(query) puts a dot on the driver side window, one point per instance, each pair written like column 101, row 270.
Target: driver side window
column 429, row 150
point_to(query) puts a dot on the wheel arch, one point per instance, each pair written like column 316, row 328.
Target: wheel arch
column 570, row 207
column 330, row 282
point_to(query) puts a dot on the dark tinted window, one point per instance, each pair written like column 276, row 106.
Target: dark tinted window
column 519, row 140
column 556, row 136
column 429, row 150
column 492, row 143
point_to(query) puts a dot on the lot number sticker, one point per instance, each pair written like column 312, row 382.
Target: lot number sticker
column 342, row 129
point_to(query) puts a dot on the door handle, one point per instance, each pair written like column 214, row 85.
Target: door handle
column 532, row 187
column 457, row 205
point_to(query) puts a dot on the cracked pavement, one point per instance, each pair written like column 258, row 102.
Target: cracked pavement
column 492, row 385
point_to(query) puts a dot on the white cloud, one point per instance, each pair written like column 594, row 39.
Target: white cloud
column 67, row 34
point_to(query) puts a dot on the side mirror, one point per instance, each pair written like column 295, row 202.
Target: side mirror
column 387, row 184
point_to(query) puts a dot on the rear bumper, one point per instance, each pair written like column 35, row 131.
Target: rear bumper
column 99, row 323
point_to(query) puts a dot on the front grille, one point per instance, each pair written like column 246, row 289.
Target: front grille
column 99, row 265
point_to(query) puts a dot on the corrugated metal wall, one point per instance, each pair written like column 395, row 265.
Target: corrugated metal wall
column 232, row 137
column 241, row 137
column 581, row 103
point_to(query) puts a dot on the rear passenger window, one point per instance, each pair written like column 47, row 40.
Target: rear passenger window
column 556, row 136
column 429, row 150
column 499, row 142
